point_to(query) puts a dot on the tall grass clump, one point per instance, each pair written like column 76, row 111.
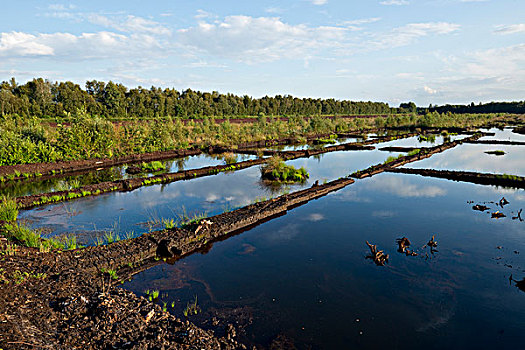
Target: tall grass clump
column 276, row 169
column 8, row 209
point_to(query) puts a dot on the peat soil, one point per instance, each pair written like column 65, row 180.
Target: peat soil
column 66, row 300
column 497, row 142
column 502, row 180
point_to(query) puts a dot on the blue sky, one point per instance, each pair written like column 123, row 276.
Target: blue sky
column 427, row 51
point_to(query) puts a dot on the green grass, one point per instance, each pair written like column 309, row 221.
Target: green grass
column 277, row 170
column 112, row 273
column 8, row 209
column 168, row 223
column 152, row 166
column 30, row 238
column 414, row 152
column 191, row 308
column 152, row 295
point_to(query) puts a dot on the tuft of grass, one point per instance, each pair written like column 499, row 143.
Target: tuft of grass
column 110, row 272
column 152, row 166
column 8, row 209
column 414, row 152
column 152, row 295
column 168, row 223
column 30, row 238
column 191, row 308
column 277, row 170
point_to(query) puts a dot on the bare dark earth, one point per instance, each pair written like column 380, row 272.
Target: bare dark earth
column 467, row 176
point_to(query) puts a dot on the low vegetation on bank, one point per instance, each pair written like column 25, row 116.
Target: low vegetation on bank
column 32, row 140
column 276, row 169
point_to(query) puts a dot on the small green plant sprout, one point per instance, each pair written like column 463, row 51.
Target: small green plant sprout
column 172, row 304
column 168, row 223
column 112, row 273
column 192, row 308
column 152, row 294
column 9, row 250
column 8, row 209
column 164, row 306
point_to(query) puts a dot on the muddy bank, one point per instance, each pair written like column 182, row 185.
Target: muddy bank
column 496, row 142
column 467, row 176
column 424, row 153
column 66, row 300
column 401, row 149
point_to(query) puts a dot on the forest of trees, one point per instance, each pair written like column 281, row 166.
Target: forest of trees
column 42, row 98
column 492, row 107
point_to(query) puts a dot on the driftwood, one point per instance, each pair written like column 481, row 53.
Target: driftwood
column 379, row 257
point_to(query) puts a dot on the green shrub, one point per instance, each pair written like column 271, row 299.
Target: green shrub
column 277, row 170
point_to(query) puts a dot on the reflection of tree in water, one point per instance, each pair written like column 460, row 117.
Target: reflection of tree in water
column 58, row 183
column 427, row 138
column 181, row 163
column 168, row 164
column 275, row 187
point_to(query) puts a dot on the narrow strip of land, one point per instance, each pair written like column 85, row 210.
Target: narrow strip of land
column 503, row 180
column 497, row 142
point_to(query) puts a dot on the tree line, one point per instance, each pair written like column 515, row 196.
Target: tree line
column 491, row 107
column 42, row 98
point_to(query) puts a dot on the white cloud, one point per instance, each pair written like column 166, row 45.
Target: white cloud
column 130, row 24
column 315, row 217
column 429, row 90
column 98, row 45
column 510, row 29
column 22, row 44
column 318, row 2
column 61, row 7
column 262, row 39
column 394, row 2
column 407, row 34
column 404, row 188
column 357, row 22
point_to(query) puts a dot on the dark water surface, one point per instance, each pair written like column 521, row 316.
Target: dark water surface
column 304, row 275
